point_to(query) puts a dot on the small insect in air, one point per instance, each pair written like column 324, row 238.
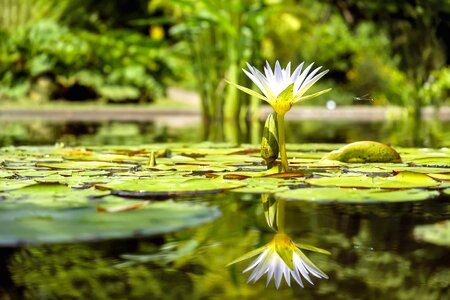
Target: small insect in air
column 365, row 97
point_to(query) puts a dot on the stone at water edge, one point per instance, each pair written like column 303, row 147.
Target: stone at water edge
column 365, row 152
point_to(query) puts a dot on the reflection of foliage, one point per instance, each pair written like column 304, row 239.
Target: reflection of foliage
column 396, row 267
column 82, row 272
column 91, row 133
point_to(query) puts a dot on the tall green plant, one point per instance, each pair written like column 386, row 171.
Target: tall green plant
column 220, row 37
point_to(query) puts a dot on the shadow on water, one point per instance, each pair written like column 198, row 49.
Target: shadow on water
column 373, row 256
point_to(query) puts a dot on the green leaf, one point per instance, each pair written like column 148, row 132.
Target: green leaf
column 248, row 255
column 13, row 184
column 30, row 224
column 167, row 186
column 352, row 195
column 312, row 248
column 286, row 95
column 248, row 91
column 312, row 95
column 402, row 180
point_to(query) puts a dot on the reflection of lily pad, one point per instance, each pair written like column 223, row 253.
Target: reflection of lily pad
column 355, row 195
column 438, row 233
column 401, row 180
column 29, row 224
column 169, row 186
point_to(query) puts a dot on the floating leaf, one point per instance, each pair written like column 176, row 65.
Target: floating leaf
column 85, row 165
column 29, row 224
column 264, row 185
column 363, row 152
column 444, row 177
column 438, row 233
column 11, row 184
column 120, row 208
column 353, row 195
column 169, row 186
column 400, row 181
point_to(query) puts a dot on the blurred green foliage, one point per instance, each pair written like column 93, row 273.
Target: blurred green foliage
column 121, row 50
column 51, row 60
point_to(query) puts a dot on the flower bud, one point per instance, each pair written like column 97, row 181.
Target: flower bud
column 269, row 143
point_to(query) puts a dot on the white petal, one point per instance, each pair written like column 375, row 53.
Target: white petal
column 256, row 82
column 265, row 83
column 287, row 275
column 304, row 89
column 269, row 276
column 268, row 71
column 308, row 79
column 297, row 276
column 297, row 72
column 278, row 75
column 288, row 72
column 256, row 261
column 261, row 268
column 299, row 80
column 279, row 263
column 302, row 269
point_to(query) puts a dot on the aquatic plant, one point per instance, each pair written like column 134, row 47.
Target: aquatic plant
column 281, row 257
column 282, row 90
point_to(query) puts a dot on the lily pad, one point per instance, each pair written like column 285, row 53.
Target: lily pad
column 352, row 195
column 11, row 184
column 438, row 233
column 175, row 185
column 402, row 180
column 30, row 224
column 85, row 165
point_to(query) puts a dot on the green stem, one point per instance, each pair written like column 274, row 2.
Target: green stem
column 282, row 143
column 280, row 216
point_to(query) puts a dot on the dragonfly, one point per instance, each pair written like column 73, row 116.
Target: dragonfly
column 365, row 97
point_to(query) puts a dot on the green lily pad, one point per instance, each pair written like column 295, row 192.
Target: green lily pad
column 438, row 233
column 30, row 224
column 168, row 186
column 85, row 165
column 352, row 195
column 402, row 180
column 364, row 152
column 264, row 185
column 12, row 184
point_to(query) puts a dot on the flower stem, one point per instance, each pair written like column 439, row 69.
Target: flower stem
column 280, row 215
column 282, row 143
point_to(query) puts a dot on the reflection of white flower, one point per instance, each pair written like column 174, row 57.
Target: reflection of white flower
column 282, row 258
column 280, row 88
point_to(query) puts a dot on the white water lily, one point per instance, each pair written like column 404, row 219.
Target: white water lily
column 282, row 258
column 280, row 88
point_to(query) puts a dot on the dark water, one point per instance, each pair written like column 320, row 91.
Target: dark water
column 430, row 133
column 373, row 252
column 373, row 256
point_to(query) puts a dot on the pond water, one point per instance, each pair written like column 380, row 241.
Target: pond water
column 429, row 133
column 374, row 254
